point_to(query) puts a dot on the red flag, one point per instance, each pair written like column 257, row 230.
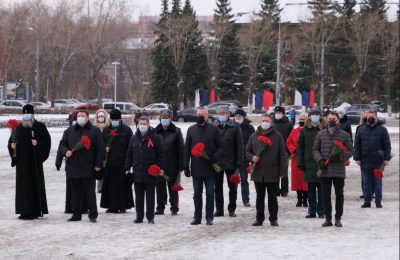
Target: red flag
column 311, row 98
column 212, row 95
column 268, row 99
column 218, row 99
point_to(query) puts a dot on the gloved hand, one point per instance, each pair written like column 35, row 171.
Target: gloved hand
column 187, row 172
column 13, row 162
column 322, row 164
column 58, row 167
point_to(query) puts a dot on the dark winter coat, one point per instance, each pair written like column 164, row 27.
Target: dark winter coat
column 118, row 145
column 368, row 141
column 272, row 164
column 305, row 158
column 82, row 163
column 143, row 151
column 232, row 144
column 284, row 127
column 345, row 125
column 322, row 149
column 247, row 131
column 209, row 136
column 172, row 143
column 30, row 196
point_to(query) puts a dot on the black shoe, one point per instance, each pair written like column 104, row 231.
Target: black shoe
column 257, row 223
column 85, row 212
column 299, row 203
column 218, row 214
column 210, row 222
column 378, row 205
column 151, row 221
column 246, row 204
column 362, row 196
column 274, row 223
column 195, row 222
column 122, row 211
column 232, row 214
column 284, row 194
column 338, row 223
column 93, row 220
column 111, row 211
column 305, row 204
column 138, row 221
column 27, row 217
column 159, row 213
column 366, row 205
column 311, row 216
column 327, row 223
column 174, row 213
column 68, row 212
column 74, row 218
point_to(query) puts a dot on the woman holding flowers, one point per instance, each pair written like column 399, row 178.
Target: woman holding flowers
column 332, row 149
column 267, row 152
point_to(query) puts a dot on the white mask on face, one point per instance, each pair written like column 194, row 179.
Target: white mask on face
column 81, row 120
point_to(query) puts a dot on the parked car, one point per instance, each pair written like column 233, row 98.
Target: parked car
column 360, row 108
column 64, row 103
column 12, row 103
column 189, row 115
column 378, row 105
column 89, row 107
column 123, row 106
column 39, row 104
column 156, row 108
column 232, row 104
column 354, row 117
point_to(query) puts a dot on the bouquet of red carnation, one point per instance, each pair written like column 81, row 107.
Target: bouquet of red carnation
column 379, row 172
column 177, row 185
column 155, row 170
column 111, row 135
column 338, row 148
column 198, row 151
column 13, row 124
column 264, row 142
column 235, row 177
column 83, row 143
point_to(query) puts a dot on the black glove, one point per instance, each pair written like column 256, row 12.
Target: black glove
column 58, row 167
column 13, row 162
column 187, row 172
column 322, row 164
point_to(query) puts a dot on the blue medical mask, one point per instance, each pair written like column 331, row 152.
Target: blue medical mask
column 143, row 128
column 315, row 118
column 222, row 119
column 27, row 117
column 114, row 123
column 278, row 116
column 265, row 125
column 165, row 121
column 239, row 121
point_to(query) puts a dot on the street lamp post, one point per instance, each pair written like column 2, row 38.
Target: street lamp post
column 115, row 63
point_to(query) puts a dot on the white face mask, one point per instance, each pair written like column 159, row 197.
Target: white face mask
column 81, row 120
column 265, row 125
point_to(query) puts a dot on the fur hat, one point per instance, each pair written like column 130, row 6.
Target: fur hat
column 28, row 109
column 279, row 109
column 166, row 112
column 241, row 112
column 115, row 114
column 222, row 109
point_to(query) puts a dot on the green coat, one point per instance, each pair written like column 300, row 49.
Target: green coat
column 305, row 159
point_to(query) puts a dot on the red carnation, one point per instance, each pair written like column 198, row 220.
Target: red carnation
column 83, row 143
column 198, row 150
column 154, row 170
column 338, row 148
column 347, row 163
column 177, row 188
column 13, row 124
column 265, row 140
column 248, row 169
column 177, row 185
column 113, row 133
column 235, row 178
column 378, row 173
column 340, row 145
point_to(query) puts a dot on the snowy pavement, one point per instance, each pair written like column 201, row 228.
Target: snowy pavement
column 366, row 234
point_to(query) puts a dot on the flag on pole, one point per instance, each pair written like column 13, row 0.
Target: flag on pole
column 197, row 98
column 312, row 98
column 268, row 99
column 298, row 98
column 212, row 95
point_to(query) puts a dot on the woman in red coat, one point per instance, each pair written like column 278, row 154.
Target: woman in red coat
column 298, row 183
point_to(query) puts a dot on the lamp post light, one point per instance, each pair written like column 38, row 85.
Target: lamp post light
column 115, row 63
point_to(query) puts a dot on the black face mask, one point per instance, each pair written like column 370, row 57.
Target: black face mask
column 200, row 120
column 371, row 120
column 331, row 123
column 301, row 124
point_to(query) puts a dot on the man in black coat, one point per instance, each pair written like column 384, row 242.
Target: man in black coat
column 200, row 168
column 172, row 143
column 82, row 165
column 145, row 149
column 28, row 155
column 231, row 160
column 247, row 131
column 345, row 124
column 116, row 194
column 284, row 127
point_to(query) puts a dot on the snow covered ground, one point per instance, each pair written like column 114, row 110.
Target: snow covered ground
column 367, row 233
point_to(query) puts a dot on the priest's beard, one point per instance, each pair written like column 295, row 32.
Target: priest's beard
column 27, row 123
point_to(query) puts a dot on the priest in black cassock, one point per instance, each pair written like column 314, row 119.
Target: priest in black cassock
column 32, row 150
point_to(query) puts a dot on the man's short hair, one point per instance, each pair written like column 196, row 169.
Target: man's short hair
column 372, row 111
column 83, row 111
column 334, row 113
column 146, row 118
column 267, row 115
column 203, row 109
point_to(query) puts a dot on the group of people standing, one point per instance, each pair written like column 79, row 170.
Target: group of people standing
column 229, row 147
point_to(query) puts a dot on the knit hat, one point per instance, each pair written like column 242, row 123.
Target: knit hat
column 279, row 109
column 28, row 109
column 115, row 114
column 241, row 112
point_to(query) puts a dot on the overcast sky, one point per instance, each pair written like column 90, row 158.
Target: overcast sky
column 206, row 7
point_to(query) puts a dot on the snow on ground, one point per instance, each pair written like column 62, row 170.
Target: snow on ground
column 367, row 233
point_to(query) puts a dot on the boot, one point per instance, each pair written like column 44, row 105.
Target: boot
column 299, row 198
column 338, row 223
column 327, row 223
column 305, row 198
